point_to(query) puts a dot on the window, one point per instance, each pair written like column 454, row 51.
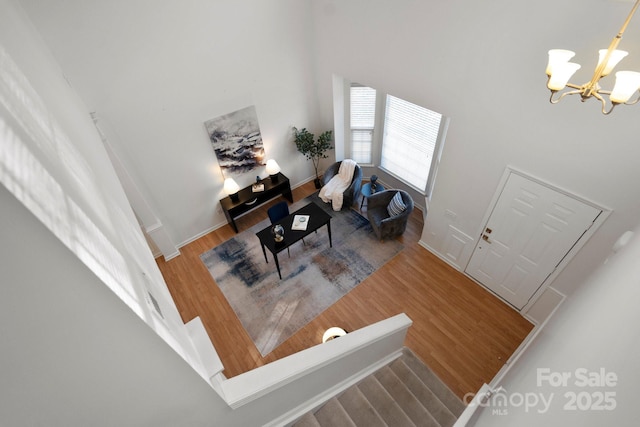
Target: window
column 363, row 112
column 409, row 141
column 388, row 135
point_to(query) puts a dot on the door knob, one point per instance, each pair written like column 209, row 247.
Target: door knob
column 486, row 238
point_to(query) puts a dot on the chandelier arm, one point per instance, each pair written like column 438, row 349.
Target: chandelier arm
column 604, row 111
column 562, row 95
column 597, row 96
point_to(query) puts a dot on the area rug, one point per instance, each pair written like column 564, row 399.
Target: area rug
column 314, row 276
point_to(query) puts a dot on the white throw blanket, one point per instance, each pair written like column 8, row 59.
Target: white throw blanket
column 333, row 191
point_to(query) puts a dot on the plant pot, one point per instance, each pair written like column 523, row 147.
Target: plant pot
column 317, row 183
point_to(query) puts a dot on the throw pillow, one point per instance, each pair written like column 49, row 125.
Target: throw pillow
column 396, row 206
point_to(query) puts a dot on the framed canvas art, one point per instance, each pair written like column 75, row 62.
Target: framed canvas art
column 237, row 141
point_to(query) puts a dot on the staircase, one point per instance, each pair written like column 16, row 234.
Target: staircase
column 404, row 393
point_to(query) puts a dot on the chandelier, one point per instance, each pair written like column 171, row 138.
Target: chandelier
column 560, row 70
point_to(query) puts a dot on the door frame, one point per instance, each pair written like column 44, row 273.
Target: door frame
column 600, row 219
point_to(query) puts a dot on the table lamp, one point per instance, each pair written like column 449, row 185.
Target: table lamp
column 273, row 169
column 231, row 187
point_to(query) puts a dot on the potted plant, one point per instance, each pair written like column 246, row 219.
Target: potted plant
column 313, row 149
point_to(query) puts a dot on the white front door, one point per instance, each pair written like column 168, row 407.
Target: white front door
column 530, row 230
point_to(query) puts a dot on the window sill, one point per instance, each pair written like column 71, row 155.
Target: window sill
column 412, row 187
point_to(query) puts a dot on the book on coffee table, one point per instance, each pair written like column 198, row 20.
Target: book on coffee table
column 300, row 222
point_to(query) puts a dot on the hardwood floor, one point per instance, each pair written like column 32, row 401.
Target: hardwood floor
column 460, row 330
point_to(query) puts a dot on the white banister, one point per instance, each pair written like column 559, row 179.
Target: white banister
column 210, row 363
column 287, row 388
column 479, row 401
column 258, row 382
column 278, row 393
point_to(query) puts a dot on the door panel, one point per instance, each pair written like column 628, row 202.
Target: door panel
column 530, row 230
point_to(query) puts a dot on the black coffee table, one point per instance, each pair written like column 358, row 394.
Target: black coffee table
column 317, row 218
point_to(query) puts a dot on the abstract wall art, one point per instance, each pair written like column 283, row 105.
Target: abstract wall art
column 237, row 141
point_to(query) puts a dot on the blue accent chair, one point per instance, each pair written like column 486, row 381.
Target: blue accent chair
column 278, row 211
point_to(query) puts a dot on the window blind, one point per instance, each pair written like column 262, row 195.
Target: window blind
column 363, row 113
column 409, row 141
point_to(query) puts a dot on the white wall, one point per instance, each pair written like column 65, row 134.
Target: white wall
column 79, row 346
column 54, row 162
column 155, row 72
column 482, row 64
column 73, row 354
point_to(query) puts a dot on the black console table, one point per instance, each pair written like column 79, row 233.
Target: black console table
column 248, row 200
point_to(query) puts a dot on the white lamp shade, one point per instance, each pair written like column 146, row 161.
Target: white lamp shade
column 561, row 75
column 627, row 82
column 231, row 186
column 558, row 57
column 272, row 167
column 616, row 56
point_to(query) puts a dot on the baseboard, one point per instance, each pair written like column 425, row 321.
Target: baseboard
column 438, row 254
column 522, row 348
column 222, row 224
column 293, row 187
column 172, row 255
column 201, row 234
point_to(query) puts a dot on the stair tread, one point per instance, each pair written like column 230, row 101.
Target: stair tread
column 387, row 408
column 360, row 409
column 403, row 396
column 333, row 414
column 405, row 393
column 307, row 420
column 431, row 380
column 423, row 393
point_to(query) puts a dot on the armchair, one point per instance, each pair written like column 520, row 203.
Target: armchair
column 384, row 225
column 351, row 194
